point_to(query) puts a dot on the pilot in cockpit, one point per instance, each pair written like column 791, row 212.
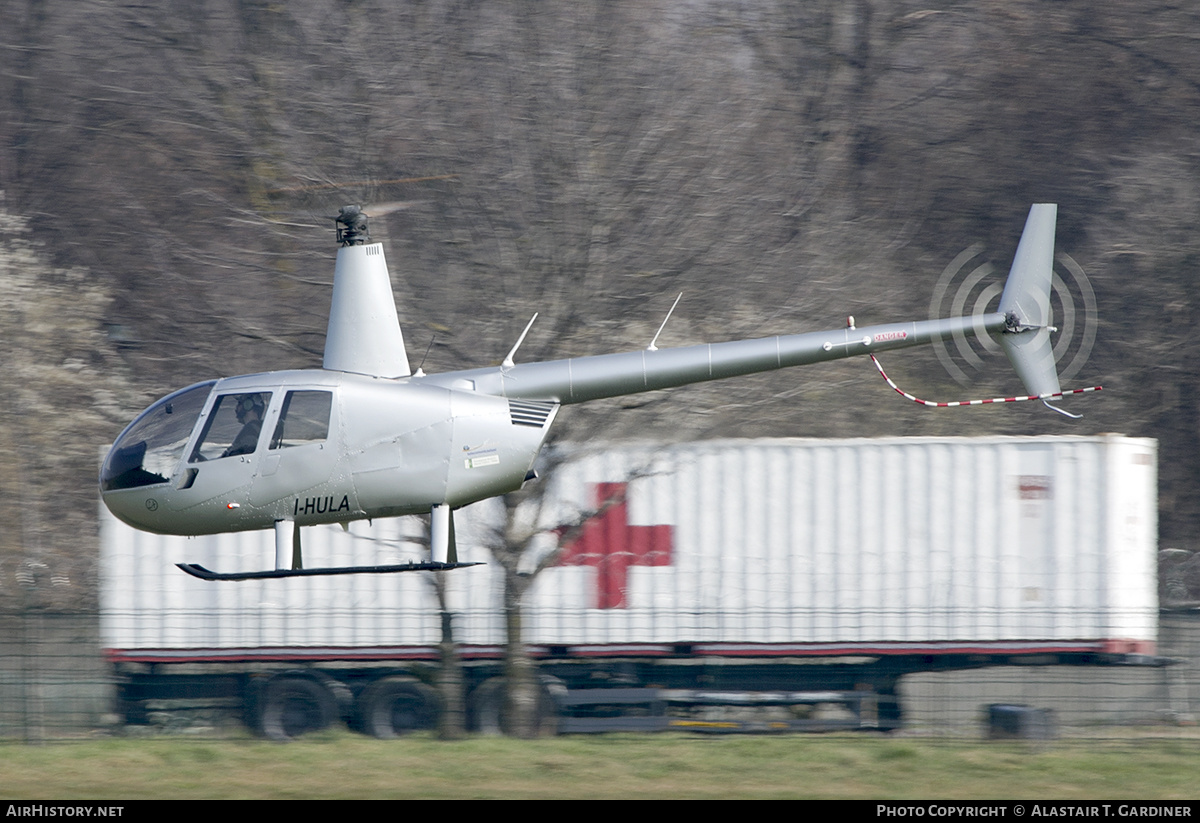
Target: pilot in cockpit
column 250, row 410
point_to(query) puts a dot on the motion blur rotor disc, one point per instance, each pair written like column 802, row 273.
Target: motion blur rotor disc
column 971, row 285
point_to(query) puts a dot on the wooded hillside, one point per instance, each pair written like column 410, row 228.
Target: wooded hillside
column 168, row 170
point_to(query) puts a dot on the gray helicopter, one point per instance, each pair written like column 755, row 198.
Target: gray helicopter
column 366, row 437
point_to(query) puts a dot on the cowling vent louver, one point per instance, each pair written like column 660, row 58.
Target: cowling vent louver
column 530, row 412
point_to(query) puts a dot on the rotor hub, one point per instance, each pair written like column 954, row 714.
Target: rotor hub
column 352, row 226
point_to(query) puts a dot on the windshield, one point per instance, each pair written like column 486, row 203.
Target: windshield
column 148, row 451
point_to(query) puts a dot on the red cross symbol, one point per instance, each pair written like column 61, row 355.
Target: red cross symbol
column 611, row 545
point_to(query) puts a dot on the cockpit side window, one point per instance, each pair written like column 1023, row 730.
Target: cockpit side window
column 303, row 420
column 233, row 426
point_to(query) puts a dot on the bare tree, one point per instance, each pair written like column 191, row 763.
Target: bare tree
column 526, row 539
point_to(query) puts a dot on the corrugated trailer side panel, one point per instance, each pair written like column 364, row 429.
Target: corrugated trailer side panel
column 1132, row 536
column 850, row 543
column 891, row 540
column 148, row 603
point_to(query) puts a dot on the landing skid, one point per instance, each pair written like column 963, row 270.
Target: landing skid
column 196, row 570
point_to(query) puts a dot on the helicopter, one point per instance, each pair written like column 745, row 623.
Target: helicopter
column 366, row 437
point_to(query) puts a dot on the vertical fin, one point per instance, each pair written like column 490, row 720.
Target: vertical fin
column 1026, row 303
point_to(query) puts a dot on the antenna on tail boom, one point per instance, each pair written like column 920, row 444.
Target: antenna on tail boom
column 508, row 360
column 652, row 346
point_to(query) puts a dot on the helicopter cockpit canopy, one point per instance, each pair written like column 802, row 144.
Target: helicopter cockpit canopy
column 148, row 451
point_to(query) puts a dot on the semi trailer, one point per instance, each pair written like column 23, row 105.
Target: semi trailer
column 728, row 585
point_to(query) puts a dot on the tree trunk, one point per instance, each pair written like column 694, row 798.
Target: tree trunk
column 452, row 720
column 520, row 716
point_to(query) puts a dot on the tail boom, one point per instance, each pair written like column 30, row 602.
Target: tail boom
column 611, row 375
column 1022, row 324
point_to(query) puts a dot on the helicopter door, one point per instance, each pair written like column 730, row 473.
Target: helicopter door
column 299, row 457
column 223, row 461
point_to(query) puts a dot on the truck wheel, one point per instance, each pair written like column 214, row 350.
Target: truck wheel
column 485, row 706
column 292, row 706
column 395, row 706
column 891, row 710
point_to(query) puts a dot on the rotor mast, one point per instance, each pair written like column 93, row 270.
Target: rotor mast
column 364, row 334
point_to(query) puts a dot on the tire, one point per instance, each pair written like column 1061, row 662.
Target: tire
column 485, row 706
column 395, row 706
column 293, row 705
column 890, row 708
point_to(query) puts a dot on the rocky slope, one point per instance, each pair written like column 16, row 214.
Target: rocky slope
column 783, row 164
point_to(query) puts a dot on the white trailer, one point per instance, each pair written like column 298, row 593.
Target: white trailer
column 876, row 557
